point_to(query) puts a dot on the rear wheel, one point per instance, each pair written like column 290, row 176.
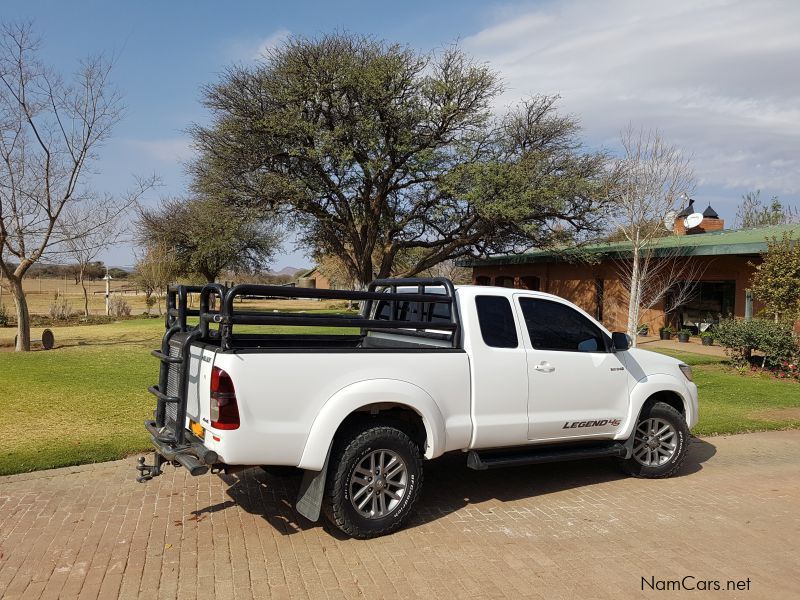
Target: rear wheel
column 374, row 482
column 660, row 443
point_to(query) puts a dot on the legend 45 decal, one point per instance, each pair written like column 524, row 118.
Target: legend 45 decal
column 594, row 423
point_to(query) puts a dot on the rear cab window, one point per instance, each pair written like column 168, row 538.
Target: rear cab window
column 428, row 312
column 496, row 320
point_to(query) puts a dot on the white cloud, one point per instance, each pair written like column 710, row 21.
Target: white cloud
column 168, row 150
column 271, row 41
column 246, row 50
column 719, row 78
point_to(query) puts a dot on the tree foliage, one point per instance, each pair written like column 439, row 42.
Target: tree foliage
column 373, row 150
column 208, row 236
column 752, row 212
column 776, row 280
column 154, row 271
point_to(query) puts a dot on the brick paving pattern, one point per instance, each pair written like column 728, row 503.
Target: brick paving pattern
column 577, row 530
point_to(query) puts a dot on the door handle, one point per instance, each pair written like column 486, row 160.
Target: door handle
column 544, row 367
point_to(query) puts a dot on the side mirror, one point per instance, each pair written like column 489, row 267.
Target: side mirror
column 620, row 341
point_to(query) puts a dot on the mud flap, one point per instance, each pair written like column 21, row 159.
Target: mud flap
column 629, row 445
column 312, row 488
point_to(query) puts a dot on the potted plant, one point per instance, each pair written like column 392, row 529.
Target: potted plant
column 684, row 335
column 643, row 329
column 707, row 338
column 665, row 333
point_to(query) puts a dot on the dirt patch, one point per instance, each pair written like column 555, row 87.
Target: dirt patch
column 776, row 414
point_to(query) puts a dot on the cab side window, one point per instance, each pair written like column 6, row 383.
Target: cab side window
column 498, row 329
column 555, row 326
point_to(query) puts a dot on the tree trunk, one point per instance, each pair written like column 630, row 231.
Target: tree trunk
column 633, row 299
column 211, row 278
column 85, row 295
column 23, row 317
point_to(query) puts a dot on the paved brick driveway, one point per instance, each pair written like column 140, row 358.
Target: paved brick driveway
column 550, row 531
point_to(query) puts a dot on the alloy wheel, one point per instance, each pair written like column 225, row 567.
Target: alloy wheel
column 378, row 483
column 654, row 443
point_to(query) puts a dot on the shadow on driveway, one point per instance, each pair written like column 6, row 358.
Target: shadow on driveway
column 449, row 486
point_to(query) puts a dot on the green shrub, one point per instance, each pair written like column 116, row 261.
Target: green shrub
column 740, row 338
column 3, row 316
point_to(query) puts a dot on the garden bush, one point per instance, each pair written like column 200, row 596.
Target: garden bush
column 3, row 316
column 60, row 308
column 741, row 338
column 787, row 370
column 119, row 307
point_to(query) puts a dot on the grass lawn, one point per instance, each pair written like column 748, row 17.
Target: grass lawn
column 734, row 403
column 85, row 401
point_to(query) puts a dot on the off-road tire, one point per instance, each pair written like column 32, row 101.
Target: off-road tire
column 346, row 455
column 665, row 412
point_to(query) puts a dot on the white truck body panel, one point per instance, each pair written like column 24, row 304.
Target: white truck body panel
column 291, row 402
column 283, row 397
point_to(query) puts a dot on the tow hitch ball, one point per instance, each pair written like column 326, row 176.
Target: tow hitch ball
column 147, row 472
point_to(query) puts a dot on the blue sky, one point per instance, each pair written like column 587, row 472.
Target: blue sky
column 719, row 78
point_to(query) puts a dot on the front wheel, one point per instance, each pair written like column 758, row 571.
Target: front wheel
column 660, row 442
column 374, row 482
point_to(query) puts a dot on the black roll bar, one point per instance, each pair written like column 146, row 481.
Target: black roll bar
column 226, row 315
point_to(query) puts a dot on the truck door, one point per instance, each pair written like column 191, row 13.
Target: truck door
column 577, row 386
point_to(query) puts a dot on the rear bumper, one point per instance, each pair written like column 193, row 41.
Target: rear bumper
column 192, row 454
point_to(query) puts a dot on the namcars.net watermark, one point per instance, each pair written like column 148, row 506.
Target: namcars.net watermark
column 690, row 583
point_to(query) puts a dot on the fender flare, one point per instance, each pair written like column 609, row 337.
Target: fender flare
column 363, row 393
column 646, row 387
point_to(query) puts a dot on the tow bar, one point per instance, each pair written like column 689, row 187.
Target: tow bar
column 147, row 472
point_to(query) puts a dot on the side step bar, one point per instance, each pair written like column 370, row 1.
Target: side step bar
column 495, row 459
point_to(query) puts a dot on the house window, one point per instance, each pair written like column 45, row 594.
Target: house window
column 530, row 283
column 483, row 280
column 709, row 302
column 504, row 281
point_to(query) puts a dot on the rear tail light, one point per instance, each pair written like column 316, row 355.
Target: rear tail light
column 224, row 410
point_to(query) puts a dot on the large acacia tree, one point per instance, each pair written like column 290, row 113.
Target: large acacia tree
column 375, row 152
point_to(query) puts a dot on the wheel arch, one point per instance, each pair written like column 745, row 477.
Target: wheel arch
column 394, row 400
column 669, row 397
column 657, row 388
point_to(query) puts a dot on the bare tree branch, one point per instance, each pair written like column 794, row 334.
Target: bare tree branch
column 652, row 176
column 49, row 132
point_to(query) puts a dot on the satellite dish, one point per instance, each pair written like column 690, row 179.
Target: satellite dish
column 693, row 220
column 669, row 220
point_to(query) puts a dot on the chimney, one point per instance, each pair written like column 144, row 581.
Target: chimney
column 710, row 222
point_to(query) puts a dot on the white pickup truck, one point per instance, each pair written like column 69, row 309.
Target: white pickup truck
column 508, row 377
